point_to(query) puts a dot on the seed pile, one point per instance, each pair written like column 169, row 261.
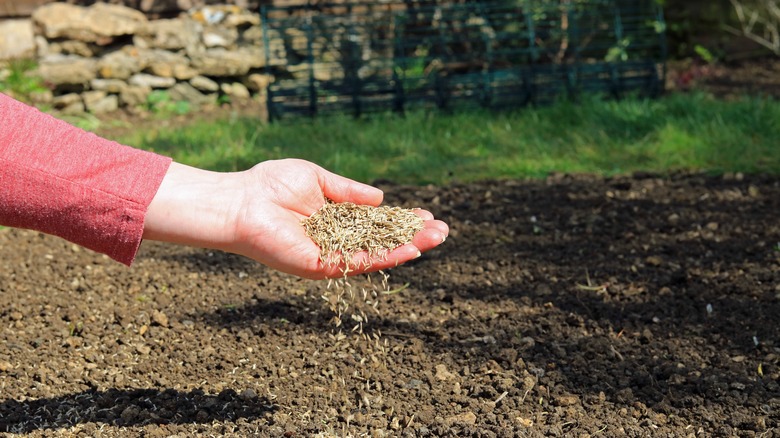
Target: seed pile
column 343, row 229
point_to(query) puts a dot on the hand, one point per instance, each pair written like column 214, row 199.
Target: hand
column 258, row 213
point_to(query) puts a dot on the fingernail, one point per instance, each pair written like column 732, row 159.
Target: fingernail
column 418, row 254
column 443, row 238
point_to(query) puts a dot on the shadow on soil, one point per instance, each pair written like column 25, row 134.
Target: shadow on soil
column 131, row 407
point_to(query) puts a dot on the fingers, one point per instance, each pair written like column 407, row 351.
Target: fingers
column 434, row 234
column 362, row 263
column 424, row 214
column 341, row 189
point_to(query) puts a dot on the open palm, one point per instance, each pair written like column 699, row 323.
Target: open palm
column 280, row 194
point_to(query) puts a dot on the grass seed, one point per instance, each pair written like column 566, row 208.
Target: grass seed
column 344, row 229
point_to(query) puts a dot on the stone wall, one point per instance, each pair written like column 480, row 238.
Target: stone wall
column 105, row 56
column 152, row 8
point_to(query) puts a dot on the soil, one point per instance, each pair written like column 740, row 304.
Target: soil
column 642, row 305
column 756, row 77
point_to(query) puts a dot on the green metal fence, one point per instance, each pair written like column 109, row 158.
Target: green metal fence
column 359, row 56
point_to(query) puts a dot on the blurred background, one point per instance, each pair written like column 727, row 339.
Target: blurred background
column 714, row 64
column 711, row 24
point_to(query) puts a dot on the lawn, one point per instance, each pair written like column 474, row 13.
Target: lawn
column 691, row 132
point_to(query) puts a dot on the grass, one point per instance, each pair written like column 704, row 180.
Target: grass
column 16, row 79
column 678, row 132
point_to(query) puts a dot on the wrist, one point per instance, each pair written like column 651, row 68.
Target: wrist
column 194, row 207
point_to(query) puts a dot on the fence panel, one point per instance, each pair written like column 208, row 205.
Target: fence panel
column 358, row 56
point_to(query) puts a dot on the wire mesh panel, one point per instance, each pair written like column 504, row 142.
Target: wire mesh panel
column 357, row 56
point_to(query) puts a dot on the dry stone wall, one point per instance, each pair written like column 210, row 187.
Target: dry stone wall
column 105, row 56
column 156, row 8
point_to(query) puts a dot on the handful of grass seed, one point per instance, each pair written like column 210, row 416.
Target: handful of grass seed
column 343, row 229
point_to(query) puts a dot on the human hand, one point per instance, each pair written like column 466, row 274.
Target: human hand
column 258, row 214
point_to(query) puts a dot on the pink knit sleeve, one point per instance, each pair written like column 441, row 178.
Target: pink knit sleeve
column 61, row 180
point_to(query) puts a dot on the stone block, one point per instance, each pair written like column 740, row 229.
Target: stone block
column 17, row 39
column 120, row 64
column 168, row 64
column 152, row 81
column 258, row 82
column 108, row 85
column 98, row 23
column 220, row 62
column 170, row 34
column 236, row 90
column 186, row 92
column 203, row 83
column 134, row 95
column 67, row 70
column 105, row 104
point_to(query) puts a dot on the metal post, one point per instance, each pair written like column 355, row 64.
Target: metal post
column 614, row 71
column 530, row 79
column 662, row 42
column 439, row 81
column 352, row 64
column 399, row 98
column 571, row 70
column 487, row 70
column 269, row 98
column 310, row 57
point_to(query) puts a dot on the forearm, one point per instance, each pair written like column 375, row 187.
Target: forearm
column 194, row 207
column 61, row 180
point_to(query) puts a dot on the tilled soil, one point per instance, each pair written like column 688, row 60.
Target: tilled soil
column 571, row 306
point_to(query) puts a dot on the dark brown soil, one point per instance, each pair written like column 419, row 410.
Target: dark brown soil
column 754, row 77
column 572, row 306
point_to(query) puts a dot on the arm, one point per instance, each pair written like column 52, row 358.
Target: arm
column 60, row 180
column 258, row 213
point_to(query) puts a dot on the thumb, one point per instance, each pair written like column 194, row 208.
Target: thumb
column 341, row 189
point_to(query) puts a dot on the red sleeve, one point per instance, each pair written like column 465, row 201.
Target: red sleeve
column 64, row 181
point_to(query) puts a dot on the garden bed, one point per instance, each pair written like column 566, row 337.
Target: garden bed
column 571, row 306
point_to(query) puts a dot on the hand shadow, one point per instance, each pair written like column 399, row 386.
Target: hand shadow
column 130, row 407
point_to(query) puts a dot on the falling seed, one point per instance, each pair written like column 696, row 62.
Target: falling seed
column 709, row 309
column 342, row 230
column 755, row 341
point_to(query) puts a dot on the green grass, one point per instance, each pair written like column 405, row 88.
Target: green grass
column 18, row 80
column 679, row 132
